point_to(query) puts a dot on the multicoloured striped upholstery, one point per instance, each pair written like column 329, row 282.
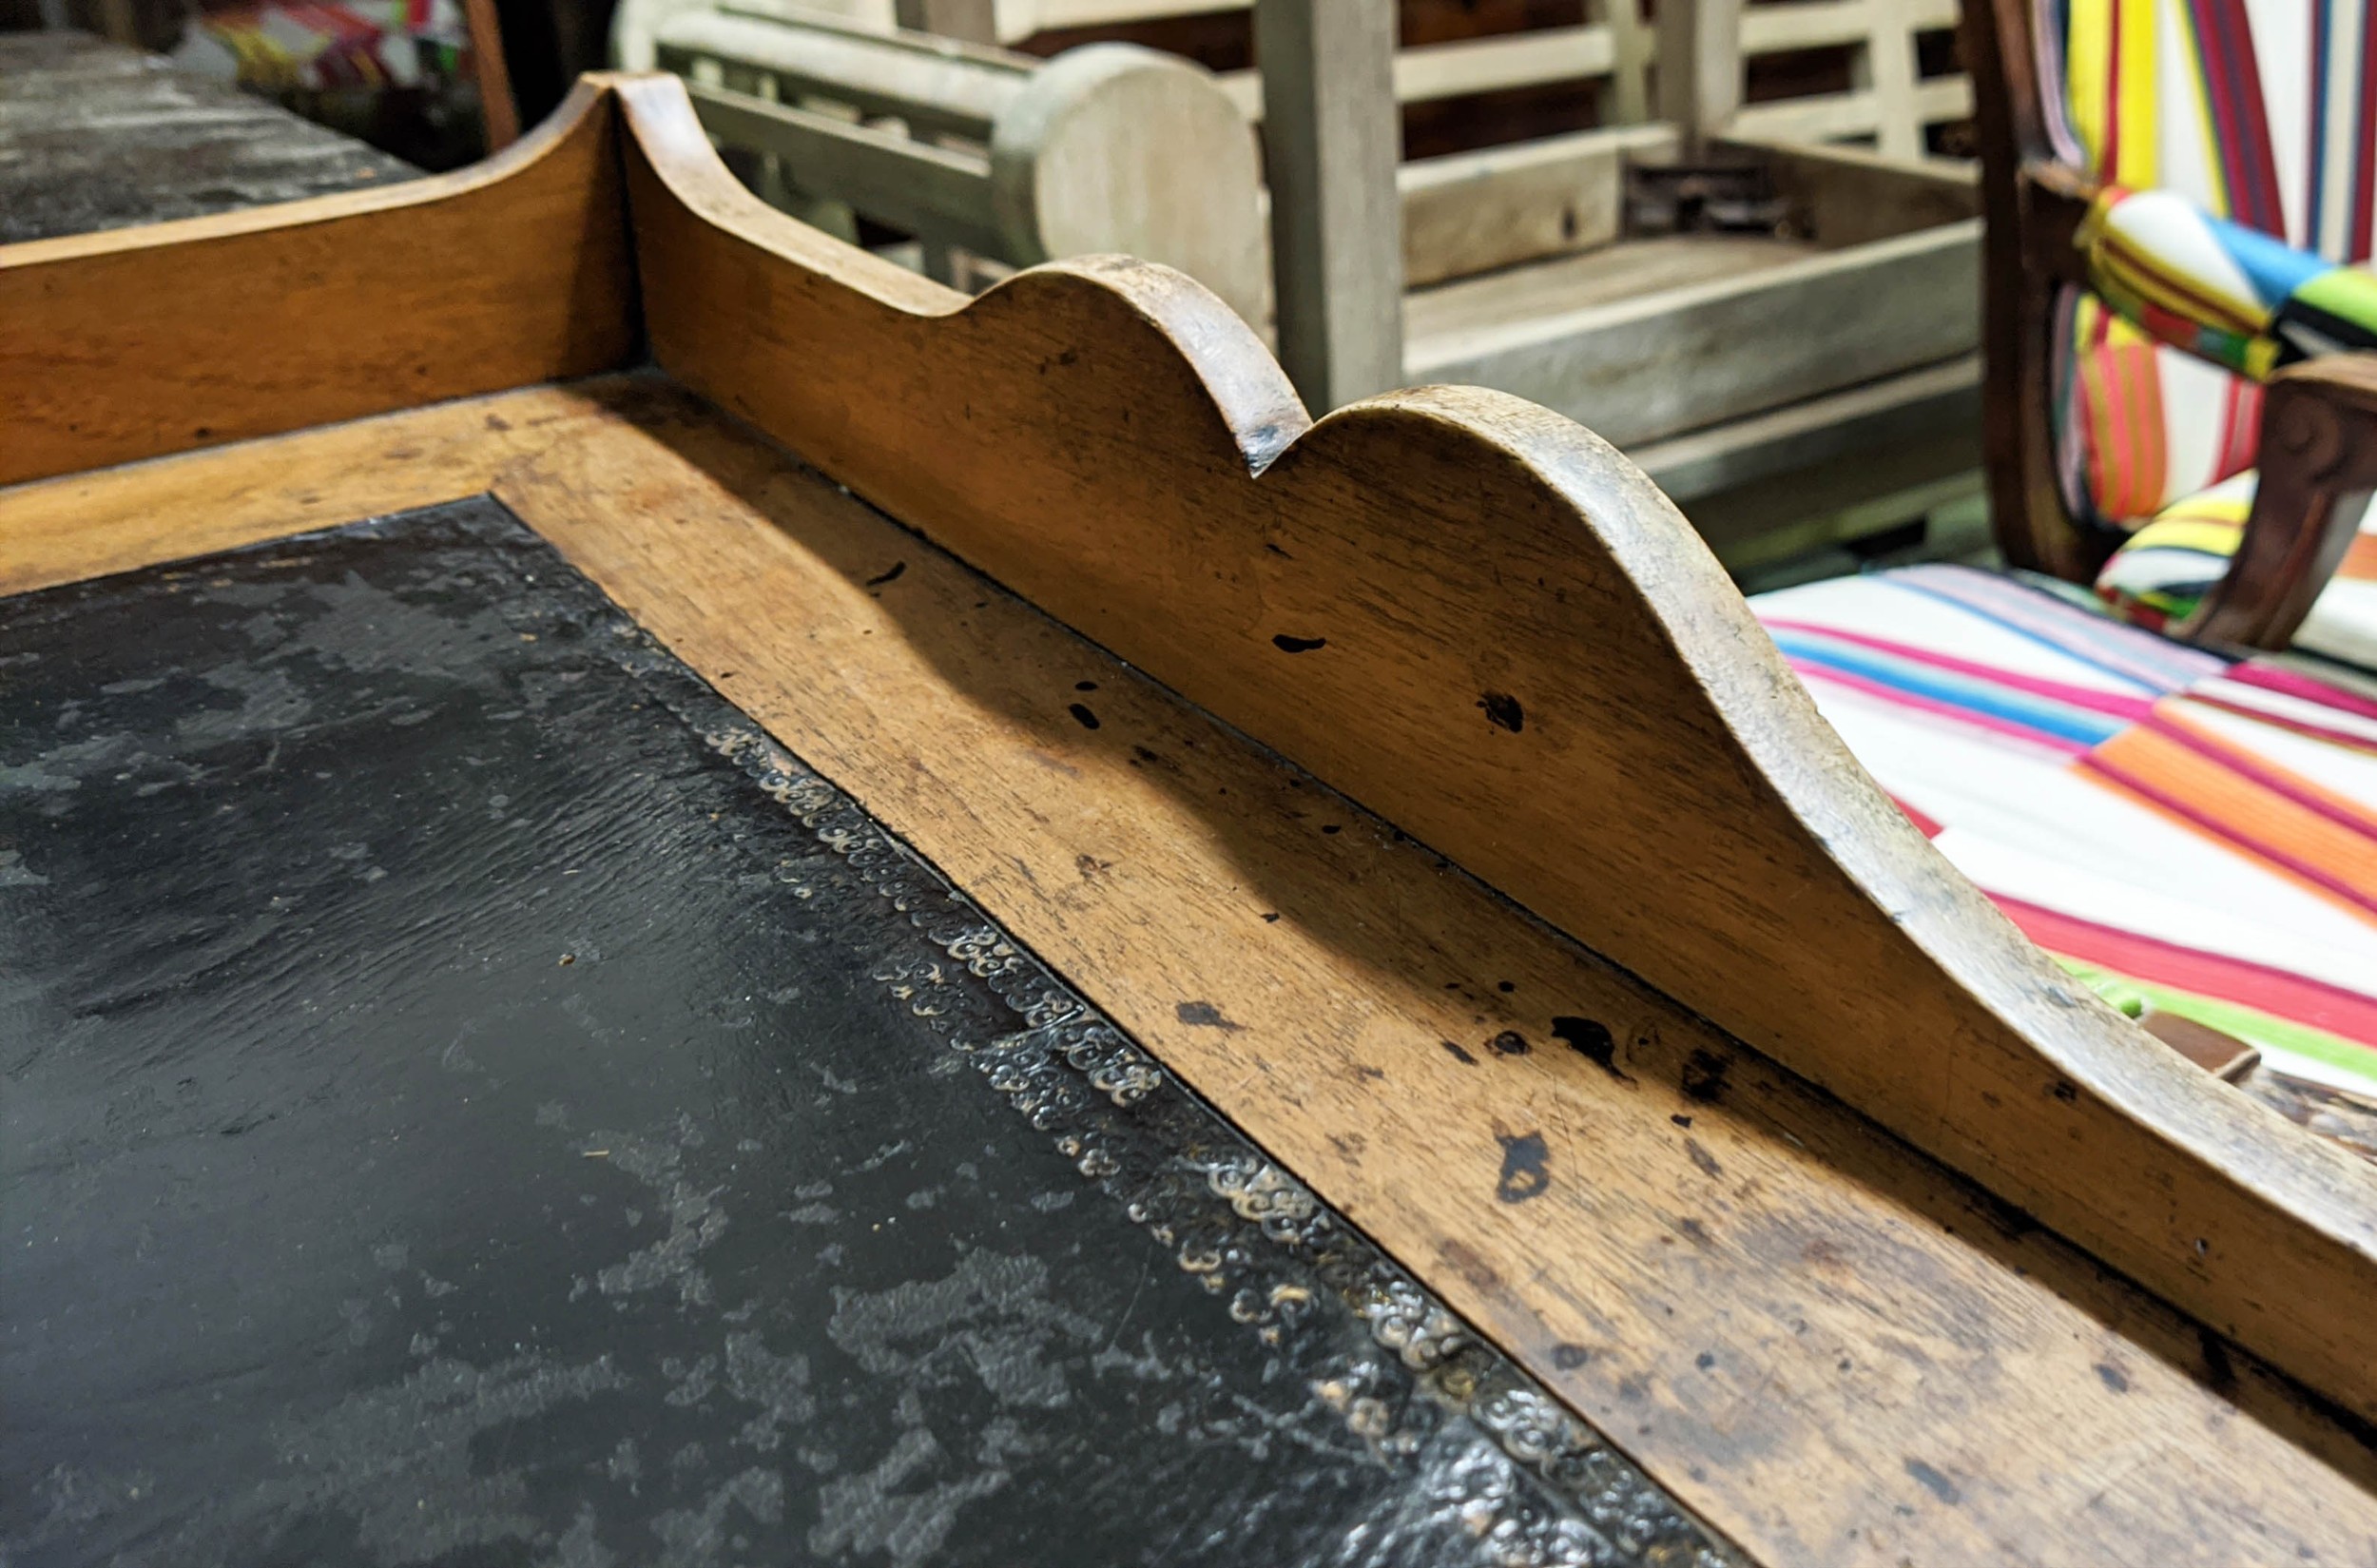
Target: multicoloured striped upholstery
column 2253, row 110
column 2175, row 826
column 2168, row 565
column 2237, row 140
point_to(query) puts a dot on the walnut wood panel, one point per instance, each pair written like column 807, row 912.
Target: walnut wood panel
column 1480, row 621
column 141, row 341
column 116, row 520
column 1821, row 1342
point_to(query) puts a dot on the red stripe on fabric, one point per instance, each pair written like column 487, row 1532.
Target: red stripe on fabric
column 2111, row 703
column 2224, row 52
column 2240, row 429
column 2364, row 149
column 2280, row 993
column 2249, row 767
column 2109, row 156
column 2307, row 689
column 2294, row 866
column 2300, row 727
column 1807, row 671
column 2147, row 269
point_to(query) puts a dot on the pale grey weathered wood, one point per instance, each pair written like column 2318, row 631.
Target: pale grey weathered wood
column 915, row 185
column 1332, row 142
column 1660, row 363
column 1705, row 35
column 1471, row 212
column 975, row 21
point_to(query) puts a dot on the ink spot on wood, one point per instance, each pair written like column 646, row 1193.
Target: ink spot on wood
column 1704, row 1076
column 1085, row 685
column 1082, row 714
column 1693, row 1231
column 1458, row 1055
column 1524, row 1167
column 1504, row 986
column 2113, row 1377
column 1591, row 1040
column 1204, row 1015
column 1270, row 917
column 1933, row 1482
column 891, row 576
column 1502, row 711
column 1510, row 1042
column 1705, row 1359
column 1153, row 759
column 1681, row 1120
column 1298, row 645
column 2063, row 1092
column 1702, row 1158
column 1568, row 1357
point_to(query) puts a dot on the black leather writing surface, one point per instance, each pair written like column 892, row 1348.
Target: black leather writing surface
column 472, row 1099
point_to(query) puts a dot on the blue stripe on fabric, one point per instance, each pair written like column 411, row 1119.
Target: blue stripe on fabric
column 2273, row 267
column 2043, row 714
column 2085, row 633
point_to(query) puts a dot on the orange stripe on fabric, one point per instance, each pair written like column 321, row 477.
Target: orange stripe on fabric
column 2222, row 806
column 2360, row 559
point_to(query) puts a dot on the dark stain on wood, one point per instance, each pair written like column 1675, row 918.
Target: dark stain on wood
column 1525, row 1167
column 1704, row 1076
column 1471, row 1264
column 1702, row 1158
column 1298, row 645
column 2113, row 1377
column 1933, row 1482
column 1204, row 1015
column 1569, row 1356
column 890, row 576
column 1591, row 1039
column 1458, row 1055
column 1510, row 1042
column 1082, row 715
column 1502, row 711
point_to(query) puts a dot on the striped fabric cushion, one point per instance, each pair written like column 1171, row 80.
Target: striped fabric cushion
column 2260, row 112
column 2176, row 828
column 2168, row 565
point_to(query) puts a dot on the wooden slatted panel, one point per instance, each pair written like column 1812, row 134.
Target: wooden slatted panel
column 1887, row 102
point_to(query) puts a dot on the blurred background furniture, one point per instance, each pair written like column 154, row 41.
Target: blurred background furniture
column 95, row 136
column 991, row 160
column 2191, row 830
column 1780, row 330
column 426, row 81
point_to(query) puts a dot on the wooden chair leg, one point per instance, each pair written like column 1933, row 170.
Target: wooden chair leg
column 494, row 77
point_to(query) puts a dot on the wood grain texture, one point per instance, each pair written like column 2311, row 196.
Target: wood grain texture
column 141, row 342
column 1829, row 1347
column 1514, row 649
column 116, row 520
